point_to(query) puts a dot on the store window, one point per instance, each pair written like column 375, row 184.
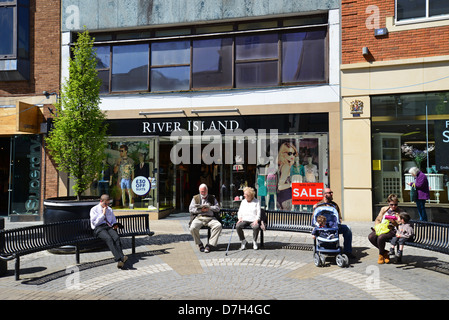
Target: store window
column 410, row 130
column 421, row 9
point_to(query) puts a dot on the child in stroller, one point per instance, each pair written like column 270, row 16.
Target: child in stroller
column 326, row 240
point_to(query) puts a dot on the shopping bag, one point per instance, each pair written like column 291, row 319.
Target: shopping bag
column 382, row 227
column 413, row 194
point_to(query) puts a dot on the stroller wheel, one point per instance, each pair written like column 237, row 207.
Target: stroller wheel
column 317, row 259
column 342, row 260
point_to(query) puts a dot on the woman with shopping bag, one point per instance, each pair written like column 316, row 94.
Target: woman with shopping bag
column 384, row 227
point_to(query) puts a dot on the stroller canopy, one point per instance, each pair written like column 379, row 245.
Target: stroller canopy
column 331, row 214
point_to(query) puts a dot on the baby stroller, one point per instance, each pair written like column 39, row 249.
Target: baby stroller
column 327, row 242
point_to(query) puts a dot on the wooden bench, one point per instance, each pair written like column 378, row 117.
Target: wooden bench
column 18, row 242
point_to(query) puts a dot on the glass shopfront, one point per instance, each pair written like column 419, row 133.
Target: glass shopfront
column 20, row 175
column 174, row 156
column 410, row 130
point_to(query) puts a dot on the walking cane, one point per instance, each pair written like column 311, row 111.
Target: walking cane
column 230, row 239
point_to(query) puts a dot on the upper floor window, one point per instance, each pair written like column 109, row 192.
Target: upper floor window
column 7, row 29
column 237, row 57
column 421, row 9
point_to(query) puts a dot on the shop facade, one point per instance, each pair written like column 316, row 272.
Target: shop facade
column 193, row 97
column 394, row 105
column 29, row 66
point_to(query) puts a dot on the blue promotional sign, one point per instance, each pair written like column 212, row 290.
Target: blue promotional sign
column 141, row 185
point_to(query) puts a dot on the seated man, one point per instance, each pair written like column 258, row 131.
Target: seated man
column 104, row 224
column 202, row 210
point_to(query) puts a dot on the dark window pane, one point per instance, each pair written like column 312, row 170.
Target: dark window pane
column 212, row 63
column 169, row 53
column 130, row 67
column 438, row 7
column 170, row 78
column 104, row 77
column 6, row 31
column 23, row 32
column 303, row 56
column 254, row 74
column 409, row 9
column 256, row 46
column 103, row 57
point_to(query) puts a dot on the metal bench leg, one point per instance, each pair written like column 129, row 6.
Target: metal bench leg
column 77, row 254
column 261, row 238
column 133, row 241
column 17, row 271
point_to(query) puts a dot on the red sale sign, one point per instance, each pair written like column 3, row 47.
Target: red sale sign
column 307, row 193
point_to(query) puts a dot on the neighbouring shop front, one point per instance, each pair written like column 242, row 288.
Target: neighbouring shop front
column 20, row 175
column 157, row 164
column 411, row 130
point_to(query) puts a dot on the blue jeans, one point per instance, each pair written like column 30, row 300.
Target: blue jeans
column 421, row 205
column 347, row 237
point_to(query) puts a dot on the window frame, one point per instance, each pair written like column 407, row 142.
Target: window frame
column 426, row 18
column 13, row 4
column 320, row 23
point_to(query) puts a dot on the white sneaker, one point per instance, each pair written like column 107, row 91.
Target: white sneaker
column 255, row 247
column 243, row 246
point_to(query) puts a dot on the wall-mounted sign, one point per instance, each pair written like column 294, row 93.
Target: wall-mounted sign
column 356, row 108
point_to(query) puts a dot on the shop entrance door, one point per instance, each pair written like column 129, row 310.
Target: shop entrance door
column 5, row 160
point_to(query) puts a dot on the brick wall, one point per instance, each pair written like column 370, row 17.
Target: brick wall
column 45, row 47
column 396, row 45
column 45, row 63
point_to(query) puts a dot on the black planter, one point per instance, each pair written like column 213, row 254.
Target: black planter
column 68, row 208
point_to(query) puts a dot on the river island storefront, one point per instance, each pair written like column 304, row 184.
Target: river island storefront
column 158, row 164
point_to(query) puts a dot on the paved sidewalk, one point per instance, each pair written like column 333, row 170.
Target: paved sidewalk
column 168, row 266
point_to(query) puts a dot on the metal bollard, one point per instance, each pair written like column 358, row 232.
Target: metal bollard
column 3, row 264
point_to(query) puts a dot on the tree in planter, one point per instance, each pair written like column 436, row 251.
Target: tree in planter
column 78, row 138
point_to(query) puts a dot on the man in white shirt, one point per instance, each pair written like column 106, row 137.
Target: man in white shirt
column 203, row 208
column 104, row 224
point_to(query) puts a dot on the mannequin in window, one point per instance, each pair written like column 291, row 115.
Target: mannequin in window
column 272, row 180
column 311, row 171
column 286, row 159
column 261, row 186
column 142, row 169
column 297, row 174
column 125, row 174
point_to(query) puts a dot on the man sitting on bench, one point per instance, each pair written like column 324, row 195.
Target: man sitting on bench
column 104, row 224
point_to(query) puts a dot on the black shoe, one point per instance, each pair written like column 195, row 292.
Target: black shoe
column 207, row 249
column 201, row 247
column 391, row 252
column 350, row 255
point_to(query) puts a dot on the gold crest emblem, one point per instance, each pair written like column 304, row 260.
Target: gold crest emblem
column 356, row 107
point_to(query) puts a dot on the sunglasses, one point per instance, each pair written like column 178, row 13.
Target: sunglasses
column 393, row 204
column 291, row 153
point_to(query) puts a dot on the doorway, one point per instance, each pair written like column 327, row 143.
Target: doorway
column 5, row 157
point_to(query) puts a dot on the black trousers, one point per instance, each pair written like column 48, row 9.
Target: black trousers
column 112, row 239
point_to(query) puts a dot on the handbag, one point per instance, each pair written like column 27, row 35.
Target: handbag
column 382, row 227
column 413, row 194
